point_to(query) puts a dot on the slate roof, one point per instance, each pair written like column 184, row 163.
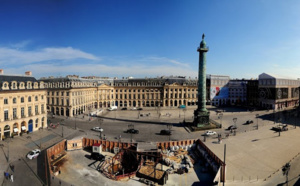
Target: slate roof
column 10, row 78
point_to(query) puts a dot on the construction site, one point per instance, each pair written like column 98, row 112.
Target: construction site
column 149, row 164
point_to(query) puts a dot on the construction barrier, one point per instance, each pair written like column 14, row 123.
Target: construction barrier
column 107, row 146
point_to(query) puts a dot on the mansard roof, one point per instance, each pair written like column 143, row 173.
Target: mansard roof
column 10, row 78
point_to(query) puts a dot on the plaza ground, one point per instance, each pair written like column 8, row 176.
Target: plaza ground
column 253, row 157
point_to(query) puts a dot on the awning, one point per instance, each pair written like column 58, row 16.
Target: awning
column 16, row 130
column 23, row 128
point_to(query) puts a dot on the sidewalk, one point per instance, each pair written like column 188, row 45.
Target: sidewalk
column 14, row 151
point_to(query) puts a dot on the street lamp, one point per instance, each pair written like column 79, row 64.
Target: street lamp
column 131, row 126
column 100, row 120
column 184, row 110
column 62, row 130
column 220, row 117
column 296, row 115
column 257, row 119
column 169, row 126
column 8, row 140
column 274, row 114
column 75, row 121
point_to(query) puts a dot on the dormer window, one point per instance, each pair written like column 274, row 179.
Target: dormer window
column 14, row 85
column 5, row 85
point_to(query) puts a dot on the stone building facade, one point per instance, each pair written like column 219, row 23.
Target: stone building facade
column 22, row 104
column 72, row 95
column 277, row 92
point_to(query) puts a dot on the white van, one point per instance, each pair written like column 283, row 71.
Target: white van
column 112, row 108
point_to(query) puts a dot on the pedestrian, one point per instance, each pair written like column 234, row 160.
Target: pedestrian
column 12, row 178
column 12, row 168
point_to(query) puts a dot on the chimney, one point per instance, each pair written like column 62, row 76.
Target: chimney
column 1, row 71
column 28, row 73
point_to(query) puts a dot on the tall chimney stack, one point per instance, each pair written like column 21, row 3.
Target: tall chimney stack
column 28, row 73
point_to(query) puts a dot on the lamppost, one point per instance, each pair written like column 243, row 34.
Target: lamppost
column 285, row 171
column 169, row 126
column 220, row 117
column 8, row 140
column 296, row 115
column 131, row 126
column 62, row 130
column 257, row 119
column 75, row 121
column 100, row 120
column 274, row 114
column 184, row 110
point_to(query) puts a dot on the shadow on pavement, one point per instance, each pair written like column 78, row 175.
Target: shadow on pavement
column 42, row 168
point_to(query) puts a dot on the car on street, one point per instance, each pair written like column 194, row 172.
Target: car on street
column 165, row 132
column 133, row 108
column 182, row 106
column 125, row 108
column 132, row 131
column 98, row 129
column 33, row 154
column 97, row 156
column 232, row 127
column 139, row 108
column 249, row 121
column 280, row 128
column 210, row 133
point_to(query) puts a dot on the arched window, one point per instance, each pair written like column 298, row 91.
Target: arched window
column 22, row 99
column 36, row 98
column 14, row 100
column 29, row 99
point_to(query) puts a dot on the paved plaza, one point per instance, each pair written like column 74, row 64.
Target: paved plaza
column 253, row 157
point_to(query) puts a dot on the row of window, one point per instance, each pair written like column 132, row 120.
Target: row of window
column 14, row 85
column 14, row 100
column 29, row 111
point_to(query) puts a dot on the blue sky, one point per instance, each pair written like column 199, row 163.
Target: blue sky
column 149, row 38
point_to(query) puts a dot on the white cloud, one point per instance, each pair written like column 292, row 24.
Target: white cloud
column 62, row 61
column 21, row 44
column 85, row 69
column 12, row 56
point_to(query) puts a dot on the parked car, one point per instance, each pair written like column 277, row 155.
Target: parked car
column 280, row 128
column 98, row 129
column 249, row 121
column 182, row 106
column 232, row 127
column 33, row 154
column 125, row 108
column 97, row 156
column 139, row 108
column 165, row 132
column 210, row 133
column 133, row 131
column 133, row 108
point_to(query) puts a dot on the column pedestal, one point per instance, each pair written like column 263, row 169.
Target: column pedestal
column 201, row 118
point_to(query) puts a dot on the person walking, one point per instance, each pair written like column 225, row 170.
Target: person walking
column 12, row 167
column 12, row 178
